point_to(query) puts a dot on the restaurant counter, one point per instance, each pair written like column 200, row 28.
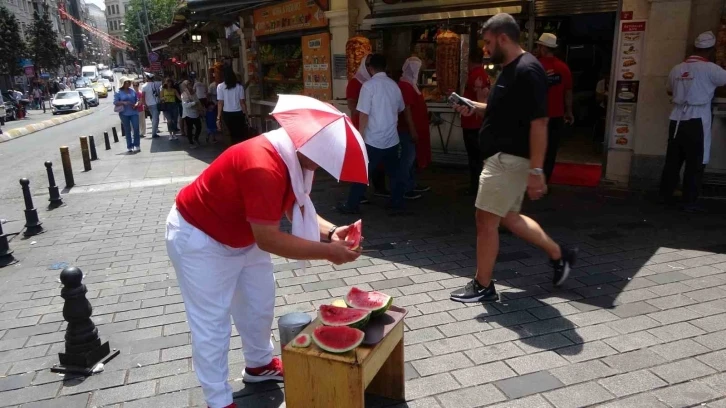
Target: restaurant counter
column 717, row 164
column 447, row 141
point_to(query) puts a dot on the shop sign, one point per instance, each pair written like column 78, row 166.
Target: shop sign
column 288, row 16
column 629, row 60
column 626, row 15
column 316, row 66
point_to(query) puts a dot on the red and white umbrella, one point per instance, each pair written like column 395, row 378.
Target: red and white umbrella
column 325, row 135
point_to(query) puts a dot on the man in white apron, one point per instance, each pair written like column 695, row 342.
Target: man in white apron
column 692, row 84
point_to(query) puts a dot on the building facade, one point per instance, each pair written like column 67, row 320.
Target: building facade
column 115, row 16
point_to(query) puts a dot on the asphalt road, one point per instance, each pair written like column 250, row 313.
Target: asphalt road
column 24, row 156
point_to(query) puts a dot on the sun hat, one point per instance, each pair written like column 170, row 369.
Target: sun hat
column 548, row 40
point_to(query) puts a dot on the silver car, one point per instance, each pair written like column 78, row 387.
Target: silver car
column 67, row 101
column 90, row 95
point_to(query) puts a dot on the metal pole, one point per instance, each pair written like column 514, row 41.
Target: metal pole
column 146, row 14
column 67, row 169
column 146, row 45
column 85, row 154
column 92, row 142
column 115, row 135
column 55, row 198
column 106, row 141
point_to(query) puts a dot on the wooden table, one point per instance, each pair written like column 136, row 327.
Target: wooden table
column 318, row 379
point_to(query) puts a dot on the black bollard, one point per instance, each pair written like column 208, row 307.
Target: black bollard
column 106, row 142
column 83, row 345
column 85, row 154
column 92, row 145
column 6, row 254
column 55, row 198
column 115, row 135
column 32, row 222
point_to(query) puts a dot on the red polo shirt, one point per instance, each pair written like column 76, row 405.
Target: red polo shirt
column 476, row 74
column 248, row 183
column 352, row 91
column 559, row 80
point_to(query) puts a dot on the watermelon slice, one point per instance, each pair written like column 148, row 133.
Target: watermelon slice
column 354, row 234
column 301, row 340
column 337, row 339
column 375, row 302
column 331, row 315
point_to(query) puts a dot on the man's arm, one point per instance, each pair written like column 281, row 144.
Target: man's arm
column 270, row 239
column 363, row 122
column 352, row 104
column 411, row 124
column 537, row 142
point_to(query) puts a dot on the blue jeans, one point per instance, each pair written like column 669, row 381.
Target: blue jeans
column 126, row 123
column 389, row 158
column 172, row 117
column 408, row 158
column 154, row 110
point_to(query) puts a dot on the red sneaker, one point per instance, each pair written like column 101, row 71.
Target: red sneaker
column 232, row 405
column 270, row 372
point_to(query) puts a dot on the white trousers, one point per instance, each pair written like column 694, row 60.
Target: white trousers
column 142, row 123
column 215, row 281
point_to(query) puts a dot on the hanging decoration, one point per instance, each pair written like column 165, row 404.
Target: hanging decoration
column 105, row 37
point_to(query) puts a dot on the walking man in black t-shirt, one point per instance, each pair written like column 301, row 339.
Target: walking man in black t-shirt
column 513, row 140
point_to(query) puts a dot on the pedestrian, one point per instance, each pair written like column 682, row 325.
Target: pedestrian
column 352, row 93
column 413, row 129
column 691, row 85
column 169, row 95
column 559, row 98
column 151, row 97
column 476, row 89
column 379, row 105
column 179, row 120
column 140, row 109
column 220, row 236
column 126, row 104
column 231, row 106
column 201, row 90
column 37, row 94
column 513, row 139
column 212, row 90
column 211, row 119
column 190, row 113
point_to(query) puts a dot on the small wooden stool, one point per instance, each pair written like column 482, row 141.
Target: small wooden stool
column 318, row 379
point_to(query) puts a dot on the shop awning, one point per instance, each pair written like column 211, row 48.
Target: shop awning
column 569, row 7
column 167, row 34
column 411, row 18
column 203, row 5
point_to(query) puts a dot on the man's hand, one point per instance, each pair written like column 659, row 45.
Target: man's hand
column 569, row 118
column 414, row 135
column 464, row 110
column 339, row 252
column 536, row 186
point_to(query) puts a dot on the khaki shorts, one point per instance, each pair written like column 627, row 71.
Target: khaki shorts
column 502, row 184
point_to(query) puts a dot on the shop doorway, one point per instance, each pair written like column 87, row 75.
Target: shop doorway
column 586, row 45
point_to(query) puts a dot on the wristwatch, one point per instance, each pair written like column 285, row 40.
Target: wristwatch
column 536, row 172
column 331, row 232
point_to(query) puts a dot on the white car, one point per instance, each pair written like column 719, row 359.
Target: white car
column 67, row 101
column 107, row 84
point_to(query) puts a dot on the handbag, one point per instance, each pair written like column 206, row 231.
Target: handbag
column 118, row 108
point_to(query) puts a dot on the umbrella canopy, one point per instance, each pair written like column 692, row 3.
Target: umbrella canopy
column 325, row 135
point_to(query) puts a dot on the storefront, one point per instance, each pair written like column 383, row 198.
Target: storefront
column 291, row 53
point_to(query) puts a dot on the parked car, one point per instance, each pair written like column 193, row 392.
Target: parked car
column 82, row 82
column 67, row 101
column 90, row 95
column 100, row 90
column 11, row 106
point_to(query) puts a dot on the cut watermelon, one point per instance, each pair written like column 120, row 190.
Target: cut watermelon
column 342, row 316
column 302, row 340
column 337, row 339
column 354, row 234
column 375, row 302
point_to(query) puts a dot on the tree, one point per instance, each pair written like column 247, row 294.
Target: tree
column 44, row 48
column 12, row 46
column 160, row 15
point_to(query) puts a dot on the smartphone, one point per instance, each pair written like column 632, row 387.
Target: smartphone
column 455, row 99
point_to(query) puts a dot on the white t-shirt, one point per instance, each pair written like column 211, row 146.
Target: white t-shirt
column 148, row 91
column 231, row 97
column 380, row 98
column 200, row 89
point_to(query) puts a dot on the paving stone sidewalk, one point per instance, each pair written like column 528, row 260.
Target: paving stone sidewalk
column 641, row 322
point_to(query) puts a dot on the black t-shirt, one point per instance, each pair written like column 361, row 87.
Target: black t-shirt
column 517, row 98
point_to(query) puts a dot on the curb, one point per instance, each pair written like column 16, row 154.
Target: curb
column 36, row 127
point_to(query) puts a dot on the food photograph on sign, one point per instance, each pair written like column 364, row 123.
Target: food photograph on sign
column 317, row 66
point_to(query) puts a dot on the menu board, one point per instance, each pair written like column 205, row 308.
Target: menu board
column 317, row 66
column 288, row 16
column 627, row 81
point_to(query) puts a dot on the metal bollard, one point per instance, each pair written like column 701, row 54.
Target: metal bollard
column 84, row 352
column 32, row 222
column 92, row 143
column 115, row 135
column 67, row 168
column 55, row 198
column 84, row 154
column 106, row 142
column 6, row 254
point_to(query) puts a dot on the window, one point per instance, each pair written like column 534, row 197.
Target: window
column 126, row 8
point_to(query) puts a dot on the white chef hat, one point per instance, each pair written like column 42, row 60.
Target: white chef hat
column 705, row 40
